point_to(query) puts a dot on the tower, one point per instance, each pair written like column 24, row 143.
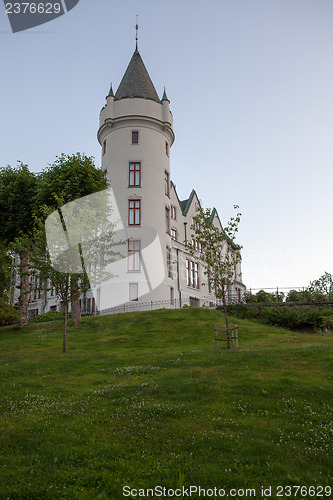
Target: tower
column 136, row 135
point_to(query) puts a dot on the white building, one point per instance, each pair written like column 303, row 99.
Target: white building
column 136, row 136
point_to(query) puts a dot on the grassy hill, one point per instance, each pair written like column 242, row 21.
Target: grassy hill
column 142, row 399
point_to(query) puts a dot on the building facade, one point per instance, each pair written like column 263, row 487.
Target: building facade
column 136, row 136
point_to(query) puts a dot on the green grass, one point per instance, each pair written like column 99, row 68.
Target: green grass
column 142, row 399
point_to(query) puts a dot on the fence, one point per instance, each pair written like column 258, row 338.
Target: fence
column 206, row 301
column 159, row 304
column 233, row 337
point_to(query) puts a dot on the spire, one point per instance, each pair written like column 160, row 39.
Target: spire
column 136, row 33
column 165, row 97
column 136, row 81
column 110, row 94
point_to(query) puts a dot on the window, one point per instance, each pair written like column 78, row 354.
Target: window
column 168, row 253
column 166, row 148
column 194, row 302
column 104, row 148
column 209, row 280
column 173, row 213
column 196, row 275
column 134, row 255
column 167, row 220
column 133, row 291
column 171, row 296
column 134, row 174
column 192, row 274
column 134, row 212
column 167, row 183
column 196, row 245
column 174, row 234
column 33, row 313
column 105, row 174
column 196, row 224
column 53, row 308
column 135, row 137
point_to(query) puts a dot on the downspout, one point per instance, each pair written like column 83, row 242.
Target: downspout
column 178, row 280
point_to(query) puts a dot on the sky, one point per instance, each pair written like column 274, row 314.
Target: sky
column 250, row 84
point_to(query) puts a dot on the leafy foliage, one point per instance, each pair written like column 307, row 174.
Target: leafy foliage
column 286, row 316
column 220, row 254
column 8, row 314
column 323, row 287
column 18, row 188
column 17, row 202
column 5, row 266
column 70, row 177
column 49, row 316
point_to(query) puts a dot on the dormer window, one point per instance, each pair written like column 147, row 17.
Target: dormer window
column 135, row 137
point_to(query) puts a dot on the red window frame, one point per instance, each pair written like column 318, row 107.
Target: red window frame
column 134, row 212
column 167, row 220
column 134, row 174
column 133, row 262
column 196, row 275
column 192, row 274
column 188, row 275
column 173, row 234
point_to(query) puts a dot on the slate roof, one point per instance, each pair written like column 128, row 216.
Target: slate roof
column 136, row 81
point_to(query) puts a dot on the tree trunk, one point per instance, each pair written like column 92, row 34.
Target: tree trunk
column 65, row 327
column 225, row 310
column 75, row 300
column 24, row 292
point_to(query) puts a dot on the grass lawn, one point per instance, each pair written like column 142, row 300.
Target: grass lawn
column 142, row 399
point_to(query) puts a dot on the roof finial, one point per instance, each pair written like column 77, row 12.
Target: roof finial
column 136, row 33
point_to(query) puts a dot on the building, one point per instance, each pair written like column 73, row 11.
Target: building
column 136, row 136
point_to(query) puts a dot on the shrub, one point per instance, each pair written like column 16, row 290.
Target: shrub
column 295, row 317
column 49, row 316
column 8, row 314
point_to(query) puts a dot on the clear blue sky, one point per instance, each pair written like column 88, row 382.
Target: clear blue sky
column 251, row 90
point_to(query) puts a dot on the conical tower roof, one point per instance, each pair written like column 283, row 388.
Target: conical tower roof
column 136, row 81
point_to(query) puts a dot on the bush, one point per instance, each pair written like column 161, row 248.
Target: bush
column 286, row 316
column 8, row 314
column 296, row 317
column 49, row 316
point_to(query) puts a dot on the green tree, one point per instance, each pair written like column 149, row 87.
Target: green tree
column 70, row 177
column 5, row 270
column 322, row 288
column 17, row 205
column 299, row 296
column 263, row 296
column 60, row 260
column 220, row 254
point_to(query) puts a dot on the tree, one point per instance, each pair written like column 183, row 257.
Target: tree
column 5, row 269
column 60, row 260
column 220, row 254
column 299, row 296
column 17, row 206
column 70, row 177
column 322, row 288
